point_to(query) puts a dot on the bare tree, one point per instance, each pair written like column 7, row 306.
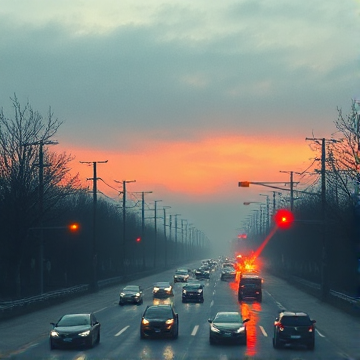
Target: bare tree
column 19, row 181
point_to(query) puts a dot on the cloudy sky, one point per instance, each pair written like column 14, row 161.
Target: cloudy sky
column 187, row 97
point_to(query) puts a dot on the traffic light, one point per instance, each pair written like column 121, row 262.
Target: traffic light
column 74, row 227
column 244, row 183
column 284, row 218
column 138, row 239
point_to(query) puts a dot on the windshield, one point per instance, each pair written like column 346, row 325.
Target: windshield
column 74, row 320
column 158, row 312
column 228, row 318
column 131, row 288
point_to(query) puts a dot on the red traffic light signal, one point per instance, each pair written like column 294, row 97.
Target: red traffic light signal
column 74, row 227
column 138, row 239
column 284, row 218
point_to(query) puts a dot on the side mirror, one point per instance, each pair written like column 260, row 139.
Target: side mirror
column 277, row 319
column 210, row 321
column 53, row 324
column 245, row 321
column 313, row 321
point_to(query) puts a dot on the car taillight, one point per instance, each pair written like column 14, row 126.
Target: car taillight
column 311, row 329
column 279, row 325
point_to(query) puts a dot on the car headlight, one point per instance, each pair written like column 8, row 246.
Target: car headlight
column 240, row 330
column 122, row 294
column 85, row 333
column 145, row 322
column 168, row 288
column 214, row 328
column 137, row 294
column 184, row 291
column 169, row 322
column 200, row 291
column 54, row 333
column 156, row 289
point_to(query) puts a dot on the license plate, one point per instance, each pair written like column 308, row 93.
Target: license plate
column 68, row 339
column 157, row 330
column 295, row 336
column 227, row 334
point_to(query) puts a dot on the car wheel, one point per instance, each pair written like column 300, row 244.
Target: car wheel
column 176, row 332
column 98, row 338
column 202, row 300
column 142, row 336
column 276, row 344
column 183, row 300
column 121, row 303
column 91, row 342
column 311, row 345
column 239, row 298
column 52, row 346
column 259, row 299
column 211, row 341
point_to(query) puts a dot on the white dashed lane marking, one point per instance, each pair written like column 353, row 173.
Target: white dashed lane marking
column 320, row 334
column 122, row 330
column 263, row 331
column 97, row 311
column 212, row 303
column 196, row 328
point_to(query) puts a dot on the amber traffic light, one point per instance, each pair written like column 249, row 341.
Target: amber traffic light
column 284, row 218
column 244, row 183
column 74, row 227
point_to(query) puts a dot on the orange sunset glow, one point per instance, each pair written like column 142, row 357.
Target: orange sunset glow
column 198, row 167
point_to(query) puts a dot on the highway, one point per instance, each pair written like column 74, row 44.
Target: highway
column 337, row 334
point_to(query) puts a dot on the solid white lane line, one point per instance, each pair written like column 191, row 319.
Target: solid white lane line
column 196, row 328
column 97, row 311
column 320, row 333
column 263, row 331
column 212, row 303
column 121, row 331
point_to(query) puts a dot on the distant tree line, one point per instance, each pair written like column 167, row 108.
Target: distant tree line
column 39, row 198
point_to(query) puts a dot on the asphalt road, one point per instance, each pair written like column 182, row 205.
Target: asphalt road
column 337, row 334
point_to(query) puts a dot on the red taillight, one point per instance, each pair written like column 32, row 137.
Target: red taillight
column 279, row 325
column 311, row 328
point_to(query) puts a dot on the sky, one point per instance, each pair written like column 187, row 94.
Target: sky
column 186, row 97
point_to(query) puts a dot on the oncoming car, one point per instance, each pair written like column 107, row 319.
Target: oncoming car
column 181, row 275
column 193, row 292
column 75, row 330
column 162, row 289
column 159, row 320
column 228, row 327
column 131, row 294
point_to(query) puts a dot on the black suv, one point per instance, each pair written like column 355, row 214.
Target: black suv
column 292, row 327
column 193, row 292
column 159, row 320
column 250, row 286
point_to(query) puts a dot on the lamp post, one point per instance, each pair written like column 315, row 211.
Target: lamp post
column 176, row 231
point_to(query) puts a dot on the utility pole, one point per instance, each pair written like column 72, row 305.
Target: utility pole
column 125, row 260
column 155, row 226
column 41, row 166
column 268, row 211
column 94, row 255
column 176, row 231
column 291, row 187
column 143, row 224
column 325, row 289
column 165, row 237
